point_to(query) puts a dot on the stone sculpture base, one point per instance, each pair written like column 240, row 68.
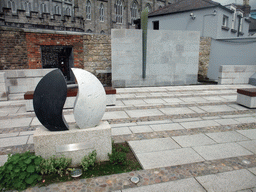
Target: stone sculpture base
column 74, row 143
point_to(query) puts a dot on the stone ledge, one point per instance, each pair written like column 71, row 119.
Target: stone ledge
column 74, row 143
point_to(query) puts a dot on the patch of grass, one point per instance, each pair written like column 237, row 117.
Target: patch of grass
column 101, row 168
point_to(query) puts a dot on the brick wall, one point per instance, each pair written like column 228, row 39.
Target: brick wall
column 35, row 40
column 204, row 57
column 13, row 49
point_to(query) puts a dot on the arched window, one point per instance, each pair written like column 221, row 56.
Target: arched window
column 160, row 7
column 102, row 32
column 88, row 10
column 148, row 6
column 57, row 10
column 11, row 4
column 134, row 12
column 89, row 31
column 43, row 8
column 101, row 12
column 27, row 7
column 68, row 11
column 119, row 11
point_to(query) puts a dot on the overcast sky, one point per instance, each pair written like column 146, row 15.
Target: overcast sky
column 225, row 2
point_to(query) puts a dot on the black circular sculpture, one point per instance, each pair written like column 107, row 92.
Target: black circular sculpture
column 49, row 98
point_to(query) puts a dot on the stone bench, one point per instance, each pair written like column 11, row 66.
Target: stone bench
column 71, row 97
column 247, row 97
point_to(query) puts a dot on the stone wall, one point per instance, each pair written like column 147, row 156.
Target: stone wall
column 204, row 57
column 13, row 49
column 172, row 58
column 235, row 74
column 97, row 56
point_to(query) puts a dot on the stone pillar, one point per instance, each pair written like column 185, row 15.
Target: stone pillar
column 3, row 87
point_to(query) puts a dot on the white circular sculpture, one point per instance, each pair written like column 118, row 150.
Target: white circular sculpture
column 90, row 101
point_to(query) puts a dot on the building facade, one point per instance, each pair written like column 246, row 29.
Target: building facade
column 91, row 16
column 210, row 18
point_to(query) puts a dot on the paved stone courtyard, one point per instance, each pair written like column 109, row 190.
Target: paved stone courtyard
column 187, row 138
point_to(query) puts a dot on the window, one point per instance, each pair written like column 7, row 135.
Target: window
column 43, row 8
column 225, row 21
column 27, row 7
column 11, row 4
column 134, row 11
column 160, row 7
column 101, row 12
column 119, row 11
column 155, row 25
column 57, row 10
column 68, row 11
column 149, row 7
column 233, row 20
column 88, row 10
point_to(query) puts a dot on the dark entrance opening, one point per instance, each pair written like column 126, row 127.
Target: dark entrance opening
column 59, row 57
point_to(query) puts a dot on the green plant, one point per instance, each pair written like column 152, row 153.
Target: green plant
column 89, row 160
column 118, row 155
column 20, row 171
column 54, row 165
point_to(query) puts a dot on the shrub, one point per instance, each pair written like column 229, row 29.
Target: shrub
column 118, row 157
column 20, row 171
column 89, row 160
column 55, row 165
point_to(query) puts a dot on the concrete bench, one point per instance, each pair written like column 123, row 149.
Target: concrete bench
column 247, row 97
column 71, row 97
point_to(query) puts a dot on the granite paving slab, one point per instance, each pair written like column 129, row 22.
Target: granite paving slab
column 217, row 108
column 122, row 125
column 154, row 122
column 250, row 145
column 173, row 100
column 152, row 145
column 13, row 141
column 151, row 101
column 9, row 134
column 193, row 140
column 168, row 158
column 221, row 151
column 141, row 129
column 115, row 115
column 26, row 133
column 11, row 123
column 144, row 113
column 166, row 127
column 251, row 133
column 214, row 98
column 246, row 120
column 121, row 131
column 196, row 109
column 253, row 170
column 187, row 119
column 227, row 121
column 194, row 99
column 134, row 102
column 228, row 181
column 238, row 107
column 182, row 185
column 226, row 137
column 30, row 140
column 176, row 111
column 199, row 124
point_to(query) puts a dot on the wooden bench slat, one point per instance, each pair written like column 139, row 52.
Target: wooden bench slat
column 71, row 92
column 249, row 92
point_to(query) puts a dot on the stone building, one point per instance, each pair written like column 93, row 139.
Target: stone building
column 91, row 16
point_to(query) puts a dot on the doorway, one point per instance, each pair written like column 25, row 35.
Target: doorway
column 60, row 57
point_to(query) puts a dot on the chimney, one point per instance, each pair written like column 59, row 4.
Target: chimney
column 246, row 8
column 245, row 2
